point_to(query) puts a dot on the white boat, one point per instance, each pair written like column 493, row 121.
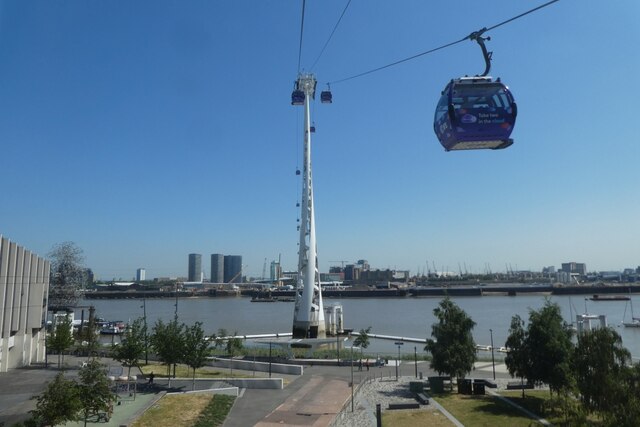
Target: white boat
column 635, row 321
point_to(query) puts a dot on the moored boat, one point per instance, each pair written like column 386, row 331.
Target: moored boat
column 610, row 298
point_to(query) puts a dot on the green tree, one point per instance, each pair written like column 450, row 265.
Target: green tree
column 453, row 350
column 61, row 338
column 626, row 411
column 132, row 346
column 196, row 348
column 362, row 340
column 168, row 342
column 59, row 403
column 517, row 359
column 600, row 362
column 95, row 393
column 550, row 348
column 67, row 275
column 231, row 344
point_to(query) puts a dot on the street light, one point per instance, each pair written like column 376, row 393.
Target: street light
column 146, row 343
column 415, row 359
column 270, row 359
column 398, row 343
column 493, row 361
column 351, row 377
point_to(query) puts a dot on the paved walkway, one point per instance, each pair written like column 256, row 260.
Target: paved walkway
column 313, row 399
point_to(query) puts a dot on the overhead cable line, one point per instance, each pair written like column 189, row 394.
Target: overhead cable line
column 473, row 36
column 301, row 32
column 331, row 35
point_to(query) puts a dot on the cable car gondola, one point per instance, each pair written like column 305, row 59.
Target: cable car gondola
column 475, row 112
column 325, row 96
column 297, row 97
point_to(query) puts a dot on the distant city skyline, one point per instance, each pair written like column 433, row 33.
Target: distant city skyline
column 173, row 123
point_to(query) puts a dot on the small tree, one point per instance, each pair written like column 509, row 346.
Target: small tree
column 59, row 403
column 168, row 342
column 62, row 337
column 132, row 346
column 517, row 359
column 453, row 350
column 231, row 344
column 549, row 347
column 196, row 348
column 95, row 393
column 362, row 340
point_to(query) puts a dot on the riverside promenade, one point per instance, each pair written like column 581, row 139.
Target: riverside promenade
column 316, row 398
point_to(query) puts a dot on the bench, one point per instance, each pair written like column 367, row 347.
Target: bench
column 490, row 383
column 404, row 406
column 517, row 385
column 422, row 398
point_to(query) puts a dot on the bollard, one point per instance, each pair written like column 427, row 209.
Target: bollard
column 378, row 415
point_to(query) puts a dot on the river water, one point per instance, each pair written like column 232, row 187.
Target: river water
column 406, row 317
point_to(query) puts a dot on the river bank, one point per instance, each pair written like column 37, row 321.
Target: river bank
column 511, row 289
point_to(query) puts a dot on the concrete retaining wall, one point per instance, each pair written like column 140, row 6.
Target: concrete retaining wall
column 249, row 365
column 256, row 383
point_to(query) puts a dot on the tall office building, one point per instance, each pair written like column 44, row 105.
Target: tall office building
column 217, row 268
column 195, row 268
column 141, row 274
column 233, row 269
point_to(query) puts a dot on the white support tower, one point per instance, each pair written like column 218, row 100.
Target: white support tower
column 308, row 315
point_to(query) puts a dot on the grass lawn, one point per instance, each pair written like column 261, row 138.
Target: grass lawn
column 187, row 410
column 415, row 418
column 179, row 410
column 183, row 371
column 482, row 411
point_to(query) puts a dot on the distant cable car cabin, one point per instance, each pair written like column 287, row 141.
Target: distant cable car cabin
column 297, row 171
column 297, row 97
column 326, row 97
column 475, row 113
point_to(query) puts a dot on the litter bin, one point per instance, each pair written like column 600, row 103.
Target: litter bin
column 478, row 387
column 464, row 386
column 416, row 386
column 436, row 384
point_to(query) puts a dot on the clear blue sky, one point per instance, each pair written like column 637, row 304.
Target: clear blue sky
column 147, row 130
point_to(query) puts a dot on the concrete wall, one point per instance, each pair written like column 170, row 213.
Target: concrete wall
column 24, row 287
column 254, row 383
column 250, row 365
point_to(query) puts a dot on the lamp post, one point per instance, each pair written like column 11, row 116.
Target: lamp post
column 146, row 342
column 270, row 359
column 493, row 361
column 398, row 343
column 338, row 346
column 415, row 359
column 351, row 377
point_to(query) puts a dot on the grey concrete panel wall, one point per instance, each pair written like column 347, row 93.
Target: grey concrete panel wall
column 17, row 289
column 29, row 291
column 11, row 284
column 24, row 282
column 4, row 277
